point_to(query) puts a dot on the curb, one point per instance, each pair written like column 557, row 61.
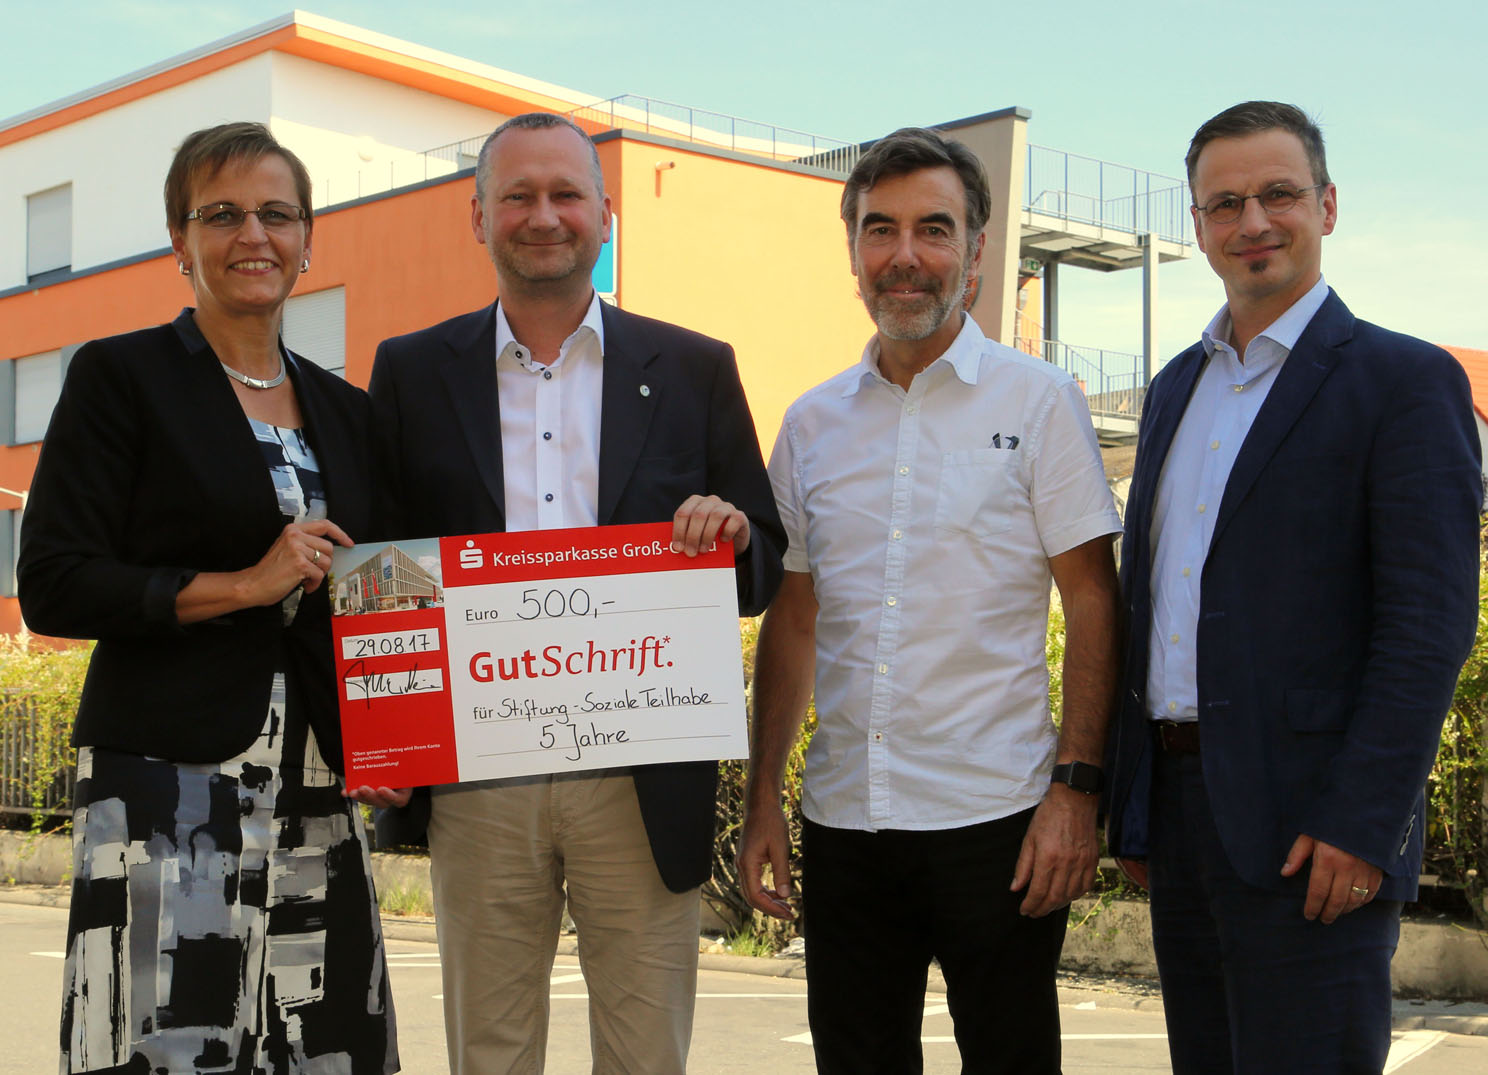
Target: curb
column 1075, row 990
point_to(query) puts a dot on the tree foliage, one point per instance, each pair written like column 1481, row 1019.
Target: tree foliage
column 39, row 690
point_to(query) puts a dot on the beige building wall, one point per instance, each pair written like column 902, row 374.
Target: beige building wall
column 1000, row 139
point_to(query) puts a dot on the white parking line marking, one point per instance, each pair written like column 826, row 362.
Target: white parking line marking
column 946, row 1039
column 51, row 955
column 1411, row 1044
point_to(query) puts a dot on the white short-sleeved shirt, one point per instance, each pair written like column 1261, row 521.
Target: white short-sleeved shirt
column 926, row 519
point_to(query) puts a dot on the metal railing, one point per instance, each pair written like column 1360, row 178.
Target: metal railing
column 405, row 169
column 19, row 767
column 1090, row 191
column 718, row 131
column 1113, row 381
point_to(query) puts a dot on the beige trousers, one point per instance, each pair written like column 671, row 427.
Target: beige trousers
column 502, row 852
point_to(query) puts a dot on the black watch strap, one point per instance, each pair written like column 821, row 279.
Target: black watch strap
column 1080, row 776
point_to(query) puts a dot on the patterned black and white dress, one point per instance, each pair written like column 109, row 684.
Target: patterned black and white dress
column 223, row 917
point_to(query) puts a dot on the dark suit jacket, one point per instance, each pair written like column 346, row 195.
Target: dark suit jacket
column 150, row 473
column 1337, row 603
column 434, row 395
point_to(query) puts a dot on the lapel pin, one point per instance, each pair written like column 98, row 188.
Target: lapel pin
column 645, row 389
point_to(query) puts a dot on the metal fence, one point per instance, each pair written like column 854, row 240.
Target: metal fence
column 21, row 770
column 1090, row 191
column 717, row 131
column 1113, row 381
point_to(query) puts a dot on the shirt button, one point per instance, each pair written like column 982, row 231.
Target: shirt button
column 1186, row 572
column 1201, row 509
column 903, row 470
column 892, row 601
column 878, row 737
column 1237, row 388
column 547, row 375
column 883, row 669
column 1173, row 638
column 1214, row 445
column 1172, row 707
column 548, row 498
column 912, row 409
column 519, row 352
column 898, row 534
column 547, row 436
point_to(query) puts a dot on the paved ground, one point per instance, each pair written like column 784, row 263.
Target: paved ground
column 751, row 1014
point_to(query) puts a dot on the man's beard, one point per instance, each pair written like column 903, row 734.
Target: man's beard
column 918, row 321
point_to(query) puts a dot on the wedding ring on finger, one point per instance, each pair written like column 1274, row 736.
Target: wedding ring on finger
column 316, row 559
column 1360, row 892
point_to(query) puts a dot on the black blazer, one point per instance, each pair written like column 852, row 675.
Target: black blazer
column 149, row 473
column 434, row 395
column 1337, row 602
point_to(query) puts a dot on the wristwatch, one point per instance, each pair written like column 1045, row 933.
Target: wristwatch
column 1080, row 776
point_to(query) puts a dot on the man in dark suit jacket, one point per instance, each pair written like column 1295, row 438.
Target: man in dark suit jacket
column 552, row 409
column 1300, row 568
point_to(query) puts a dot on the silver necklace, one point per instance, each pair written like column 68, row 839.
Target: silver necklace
column 254, row 382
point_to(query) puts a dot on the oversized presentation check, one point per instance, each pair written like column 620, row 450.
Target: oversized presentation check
column 467, row 658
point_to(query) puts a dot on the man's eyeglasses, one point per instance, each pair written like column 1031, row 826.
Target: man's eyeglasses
column 1227, row 208
column 227, row 215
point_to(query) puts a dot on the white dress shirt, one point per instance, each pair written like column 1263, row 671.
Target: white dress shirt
column 550, row 426
column 1224, row 405
column 926, row 519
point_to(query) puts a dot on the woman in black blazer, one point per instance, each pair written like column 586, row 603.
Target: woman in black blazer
column 191, row 488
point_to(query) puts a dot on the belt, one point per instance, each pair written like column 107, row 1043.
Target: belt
column 1176, row 736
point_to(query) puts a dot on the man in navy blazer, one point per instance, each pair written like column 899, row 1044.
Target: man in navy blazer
column 1300, row 569
column 553, row 409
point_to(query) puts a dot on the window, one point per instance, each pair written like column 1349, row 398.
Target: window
column 10, row 544
column 315, row 328
column 29, row 388
column 49, row 234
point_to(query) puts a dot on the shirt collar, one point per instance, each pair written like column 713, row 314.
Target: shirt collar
column 506, row 343
column 964, row 356
column 1284, row 331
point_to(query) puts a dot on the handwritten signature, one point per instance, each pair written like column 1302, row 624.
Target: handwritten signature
column 388, row 684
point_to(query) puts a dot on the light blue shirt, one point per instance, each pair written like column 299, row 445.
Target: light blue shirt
column 1220, row 412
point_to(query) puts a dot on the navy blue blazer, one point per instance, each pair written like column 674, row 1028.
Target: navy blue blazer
column 434, row 396
column 1338, row 601
column 149, row 473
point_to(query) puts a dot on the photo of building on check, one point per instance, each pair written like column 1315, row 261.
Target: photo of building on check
column 388, row 578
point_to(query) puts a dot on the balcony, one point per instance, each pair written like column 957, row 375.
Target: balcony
column 1090, row 213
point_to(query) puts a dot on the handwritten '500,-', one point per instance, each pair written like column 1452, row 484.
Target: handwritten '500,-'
column 555, row 604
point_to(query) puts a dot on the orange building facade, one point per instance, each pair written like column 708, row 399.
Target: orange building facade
column 741, row 247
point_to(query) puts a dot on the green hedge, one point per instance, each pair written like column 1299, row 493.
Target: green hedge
column 39, row 689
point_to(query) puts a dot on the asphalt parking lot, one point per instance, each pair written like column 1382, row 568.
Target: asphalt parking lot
column 747, row 1021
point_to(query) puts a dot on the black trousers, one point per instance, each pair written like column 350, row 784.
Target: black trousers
column 1249, row 985
column 878, row 906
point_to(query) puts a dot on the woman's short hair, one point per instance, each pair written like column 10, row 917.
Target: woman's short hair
column 203, row 153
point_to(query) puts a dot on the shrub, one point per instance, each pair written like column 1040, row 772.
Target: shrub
column 1457, row 792
column 39, row 689
column 722, row 889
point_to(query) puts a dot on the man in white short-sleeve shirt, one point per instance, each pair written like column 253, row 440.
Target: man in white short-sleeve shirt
column 931, row 493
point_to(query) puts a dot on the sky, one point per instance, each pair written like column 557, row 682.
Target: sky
column 1398, row 89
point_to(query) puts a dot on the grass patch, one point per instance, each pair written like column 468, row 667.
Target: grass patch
column 404, row 899
column 746, row 941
